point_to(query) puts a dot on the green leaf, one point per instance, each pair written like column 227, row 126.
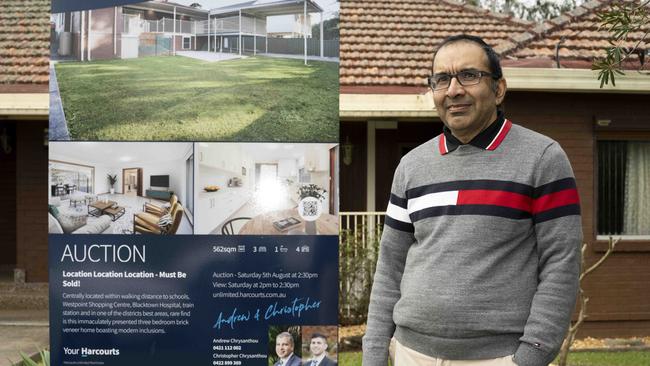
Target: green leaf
column 27, row 361
column 45, row 357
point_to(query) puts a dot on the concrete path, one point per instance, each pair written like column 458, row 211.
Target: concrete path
column 22, row 331
column 300, row 57
column 209, row 56
column 58, row 129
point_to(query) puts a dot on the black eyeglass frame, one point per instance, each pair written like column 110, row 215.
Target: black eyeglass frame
column 479, row 73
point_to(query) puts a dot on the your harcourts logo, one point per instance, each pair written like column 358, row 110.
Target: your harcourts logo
column 85, row 352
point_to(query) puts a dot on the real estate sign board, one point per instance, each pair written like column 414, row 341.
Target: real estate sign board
column 193, row 186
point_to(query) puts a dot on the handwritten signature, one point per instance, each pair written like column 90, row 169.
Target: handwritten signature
column 295, row 309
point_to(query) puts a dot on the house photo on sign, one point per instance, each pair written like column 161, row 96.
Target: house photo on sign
column 212, row 70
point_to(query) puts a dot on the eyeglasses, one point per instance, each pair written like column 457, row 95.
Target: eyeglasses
column 465, row 78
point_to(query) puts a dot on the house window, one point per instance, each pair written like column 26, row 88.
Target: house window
column 623, row 189
column 187, row 43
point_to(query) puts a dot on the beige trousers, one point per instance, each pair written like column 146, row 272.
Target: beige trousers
column 404, row 356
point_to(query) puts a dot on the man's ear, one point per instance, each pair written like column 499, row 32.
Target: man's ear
column 500, row 87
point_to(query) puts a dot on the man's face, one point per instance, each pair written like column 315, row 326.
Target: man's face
column 283, row 347
column 317, row 346
column 466, row 110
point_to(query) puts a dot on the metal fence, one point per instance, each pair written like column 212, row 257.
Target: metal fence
column 249, row 44
column 359, row 237
column 296, row 46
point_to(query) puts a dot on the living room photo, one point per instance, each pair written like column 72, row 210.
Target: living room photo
column 120, row 188
column 267, row 189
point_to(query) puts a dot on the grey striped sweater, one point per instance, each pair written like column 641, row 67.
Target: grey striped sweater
column 480, row 254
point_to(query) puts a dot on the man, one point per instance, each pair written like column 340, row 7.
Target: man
column 318, row 348
column 480, row 254
column 284, row 350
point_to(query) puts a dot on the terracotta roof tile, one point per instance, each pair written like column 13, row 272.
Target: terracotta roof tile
column 24, row 42
column 579, row 35
column 390, row 42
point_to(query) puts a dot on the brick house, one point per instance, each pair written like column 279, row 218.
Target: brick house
column 162, row 27
column 116, row 32
column 386, row 109
column 24, row 104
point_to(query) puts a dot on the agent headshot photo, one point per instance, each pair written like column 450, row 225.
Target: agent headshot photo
column 480, row 255
column 318, row 347
column 284, row 345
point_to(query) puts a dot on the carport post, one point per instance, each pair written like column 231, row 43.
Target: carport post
column 174, row 37
column 81, row 45
column 304, row 29
column 321, row 34
column 115, row 31
column 90, row 25
column 239, row 32
column 208, row 32
column 254, row 36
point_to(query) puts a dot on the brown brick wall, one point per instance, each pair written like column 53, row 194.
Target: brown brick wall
column 31, row 200
column 102, row 47
column 102, row 24
column 620, row 289
column 179, row 43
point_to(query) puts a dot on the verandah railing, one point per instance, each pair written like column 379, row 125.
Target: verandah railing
column 359, row 237
column 133, row 24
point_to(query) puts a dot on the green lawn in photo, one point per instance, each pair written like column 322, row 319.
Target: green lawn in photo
column 627, row 358
column 179, row 98
column 350, row 358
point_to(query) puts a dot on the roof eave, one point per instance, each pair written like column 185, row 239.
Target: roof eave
column 158, row 6
column 24, row 106
column 572, row 80
column 312, row 7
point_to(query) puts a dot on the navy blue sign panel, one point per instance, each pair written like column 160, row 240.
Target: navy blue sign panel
column 64, row 6
column 184, row 300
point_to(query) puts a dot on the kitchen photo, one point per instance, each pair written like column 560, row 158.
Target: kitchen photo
column 266, row 189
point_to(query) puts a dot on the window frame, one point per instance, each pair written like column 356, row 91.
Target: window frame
column 632, row 243
column 183, row 43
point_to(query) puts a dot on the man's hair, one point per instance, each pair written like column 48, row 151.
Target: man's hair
column 318, row 335
column 493, row 57
column 285, row 335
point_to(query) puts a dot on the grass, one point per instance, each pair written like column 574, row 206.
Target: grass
column 350, row 358
column 179, row 98
column 629, row 358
